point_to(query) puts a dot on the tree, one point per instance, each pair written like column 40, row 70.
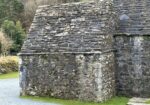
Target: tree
column 10, row 10
column 5, row 44
column 14, row 32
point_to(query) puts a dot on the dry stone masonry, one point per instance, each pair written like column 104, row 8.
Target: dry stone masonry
column 88, row 51
column 69, row 53
column 132, row 42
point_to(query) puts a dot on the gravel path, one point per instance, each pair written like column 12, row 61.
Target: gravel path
column 9, row 94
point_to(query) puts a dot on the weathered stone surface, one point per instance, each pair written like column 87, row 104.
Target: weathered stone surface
column 133, row 66
column 84, row 76
column 76, row 27
column 133, row 16
column 69, row 53
column 132, row 45
column 138, row 101
column 69, row 50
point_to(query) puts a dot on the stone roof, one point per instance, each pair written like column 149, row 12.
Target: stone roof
column 134, row 16
column 75, row 27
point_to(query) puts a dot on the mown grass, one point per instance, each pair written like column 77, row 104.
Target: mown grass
column 113, row 101
column 9, row 75
column 148, row 102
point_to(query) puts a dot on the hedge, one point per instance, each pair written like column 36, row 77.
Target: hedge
column 8, row 64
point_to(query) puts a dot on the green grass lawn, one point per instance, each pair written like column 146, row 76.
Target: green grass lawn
column 9, row 75
column 148, row 102
column 113, row 101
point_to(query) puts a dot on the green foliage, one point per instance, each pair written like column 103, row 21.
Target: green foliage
column 10, row 10
column 113, row 101
column 5, row 44
column 9, row 64
column 15, row 32
column 147, row 102
column 8, row 28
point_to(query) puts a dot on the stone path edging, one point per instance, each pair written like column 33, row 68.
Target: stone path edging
column 138, row 101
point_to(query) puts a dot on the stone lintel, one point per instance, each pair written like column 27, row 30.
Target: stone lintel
column 47, row 53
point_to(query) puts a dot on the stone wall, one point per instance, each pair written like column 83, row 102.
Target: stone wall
column 69, row 52
column 75, row 27
column 133, row 66
column 132, row 45
column 133, row 16
column 84, row 76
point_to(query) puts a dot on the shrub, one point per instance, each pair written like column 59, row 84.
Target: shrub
column 15, row 32
column 5, row 44
column 8, row 64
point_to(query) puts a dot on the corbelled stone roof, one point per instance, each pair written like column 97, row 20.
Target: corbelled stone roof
column 134, row 16
column 75, row 27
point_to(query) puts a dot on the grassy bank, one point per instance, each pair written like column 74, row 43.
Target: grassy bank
column 9, row 75
column 113, row 101
column 8, row 67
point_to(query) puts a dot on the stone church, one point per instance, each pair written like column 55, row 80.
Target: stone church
column 88, row 51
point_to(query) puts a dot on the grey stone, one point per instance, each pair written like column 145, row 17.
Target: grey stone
column 69, row 53
column 86, row 51
column 132, row 69
column 138, row 101
column 124, row 17
column 70, row 76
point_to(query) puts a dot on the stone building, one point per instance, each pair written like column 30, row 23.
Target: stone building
column 88, row 51
column 132, row 40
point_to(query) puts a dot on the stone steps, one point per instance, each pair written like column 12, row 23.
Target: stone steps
column 138, row 101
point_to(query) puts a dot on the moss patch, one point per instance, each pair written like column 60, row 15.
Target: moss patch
column 9, row 75
column 113, row 101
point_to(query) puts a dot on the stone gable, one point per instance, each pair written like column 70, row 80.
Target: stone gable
column 133, row 16
column 69, row 52
column 76, row 27
column 88, row 51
